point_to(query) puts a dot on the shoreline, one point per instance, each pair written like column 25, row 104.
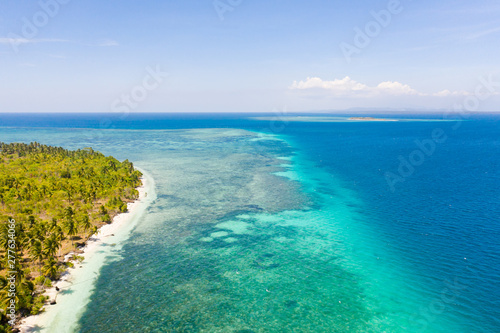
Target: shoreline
column 106, row 235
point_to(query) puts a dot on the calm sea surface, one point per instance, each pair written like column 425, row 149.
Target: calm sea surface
column 292, row 226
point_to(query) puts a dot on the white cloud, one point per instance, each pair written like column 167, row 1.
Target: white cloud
column 395, row 88
column 483, row 33
column 108, row 42
column 348, row 87
column 18, row 41
column 446, row 93
column 339, row 87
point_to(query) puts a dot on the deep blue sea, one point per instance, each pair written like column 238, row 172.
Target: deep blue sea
column 295, row 225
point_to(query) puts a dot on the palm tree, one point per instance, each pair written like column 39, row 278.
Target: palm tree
column 44, row 189
column 51, row 245
column 71, row 228
column 68, row 212
column 93, row 230
column 5, row 286
column 53, row 224
column 4, row 236
column 104, row 170
column 4, row 292
column 50, row 268
column 36, row 252
column 85, row 223
column 58, row 234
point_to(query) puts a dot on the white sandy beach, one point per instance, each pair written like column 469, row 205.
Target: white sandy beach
column 76, row 284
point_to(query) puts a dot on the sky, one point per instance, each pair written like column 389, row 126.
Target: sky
column 249, row 56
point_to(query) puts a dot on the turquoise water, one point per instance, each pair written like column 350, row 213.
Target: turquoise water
column 298, row 232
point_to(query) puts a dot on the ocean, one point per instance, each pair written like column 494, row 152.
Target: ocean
column 290, row 224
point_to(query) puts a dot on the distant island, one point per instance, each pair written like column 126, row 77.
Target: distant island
column 336, row 119
column 51, row 201
column 371, row 119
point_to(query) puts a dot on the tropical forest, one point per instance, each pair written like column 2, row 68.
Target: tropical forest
column 51, row 201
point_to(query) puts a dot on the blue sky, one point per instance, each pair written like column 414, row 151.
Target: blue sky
column 248, row 56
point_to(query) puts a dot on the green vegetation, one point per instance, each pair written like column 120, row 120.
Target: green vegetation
column 51, row 201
